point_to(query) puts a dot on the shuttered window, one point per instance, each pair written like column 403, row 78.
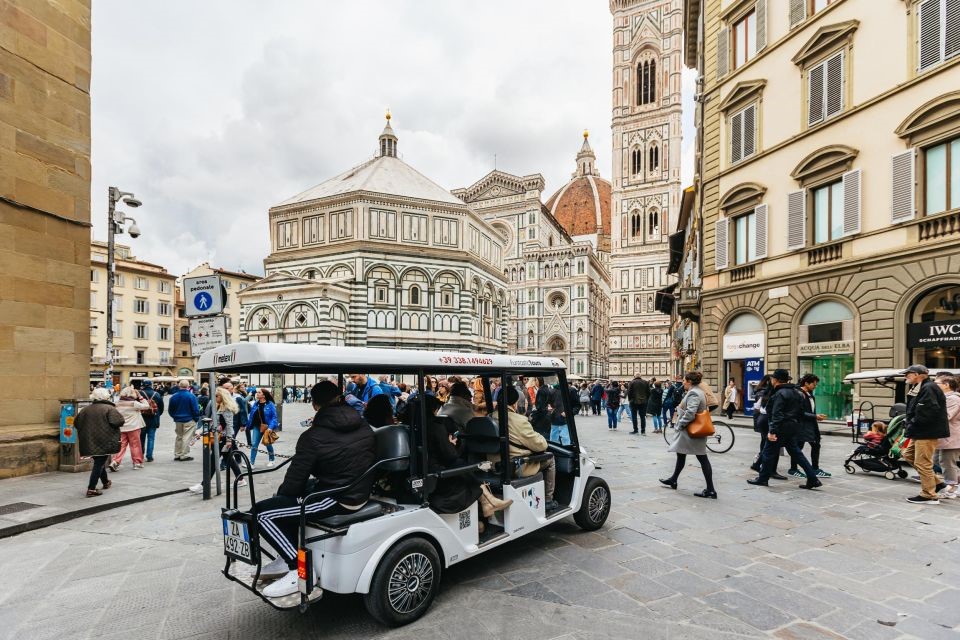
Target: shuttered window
column 745, row 238
column 739, row 42
column 901, row 182
column 721, row 244
column 941, row 181
column 825, row 89
column 761, row 231
column 744, row 39
column 938, row 32
column 796, row 220
column 827, row 212
column 851, row 202
column 723, row 53
column 797, row 12
column 743, row 134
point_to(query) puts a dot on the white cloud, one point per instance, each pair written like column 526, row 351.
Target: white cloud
column 212, row 112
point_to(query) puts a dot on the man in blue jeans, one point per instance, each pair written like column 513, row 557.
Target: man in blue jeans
column 785, row 410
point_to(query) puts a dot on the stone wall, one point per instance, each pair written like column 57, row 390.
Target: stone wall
column 45, row 220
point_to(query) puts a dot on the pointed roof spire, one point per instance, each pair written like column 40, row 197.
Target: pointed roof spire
column 388, row 139
column 586, row 160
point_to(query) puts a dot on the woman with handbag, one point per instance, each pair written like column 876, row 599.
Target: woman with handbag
column 263, row 418
column 225, row 407
column 692, row 416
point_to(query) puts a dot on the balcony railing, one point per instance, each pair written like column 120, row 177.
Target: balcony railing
column 746, row 272
column 825, row 253
column 940, row 226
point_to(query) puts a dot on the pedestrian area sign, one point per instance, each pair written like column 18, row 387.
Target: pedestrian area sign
column 206, row 334
column 203, row 296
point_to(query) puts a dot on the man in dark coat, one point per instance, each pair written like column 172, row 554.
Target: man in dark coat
column 810, row 430
column 926, row 422
column 596, row 397
column 785, row 410
column 638, row 393
column 337, row 449
column 98, row 435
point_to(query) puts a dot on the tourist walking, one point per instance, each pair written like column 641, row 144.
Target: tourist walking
column 731, row 397
column 185, row 411
column 638, row 393
column 596, row 396
column 810, row 431
column 949, row 447
column 785, row 417
column 655, row 405
column 263, row 418
column 224, row 409
column 926, row 424
column 761, row 423
column 151, row 418
column 584, row 399
column 130, row 405
column 694, row 401
column 613, row 403
column 98, row 436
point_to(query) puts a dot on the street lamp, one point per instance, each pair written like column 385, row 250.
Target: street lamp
column 115, row 221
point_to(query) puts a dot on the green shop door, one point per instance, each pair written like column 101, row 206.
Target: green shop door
column 834, row 398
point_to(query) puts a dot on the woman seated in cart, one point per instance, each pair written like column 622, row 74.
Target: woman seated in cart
column 336, row 450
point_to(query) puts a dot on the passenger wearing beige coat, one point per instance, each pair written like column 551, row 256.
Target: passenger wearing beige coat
column 524, row 441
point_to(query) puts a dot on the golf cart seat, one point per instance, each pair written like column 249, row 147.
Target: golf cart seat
column 482, row 438
column 393, row 441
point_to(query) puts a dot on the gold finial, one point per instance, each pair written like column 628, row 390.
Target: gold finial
column 586, row 134
column 388, row 114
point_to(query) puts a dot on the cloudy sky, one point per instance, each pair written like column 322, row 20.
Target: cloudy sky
column 213, row 111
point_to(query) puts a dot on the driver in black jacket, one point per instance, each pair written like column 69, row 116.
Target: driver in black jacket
column 336, row 450
column 785, row 410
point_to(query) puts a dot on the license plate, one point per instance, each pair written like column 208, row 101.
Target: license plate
column 236, row 540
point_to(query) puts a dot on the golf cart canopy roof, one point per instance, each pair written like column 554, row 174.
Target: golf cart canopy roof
column 887, row 375
column 276, row 357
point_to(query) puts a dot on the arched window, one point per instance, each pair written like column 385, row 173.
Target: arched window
column 653, row 225
column 185, row 333
column 647, row 81
column 530, row 339
column 636, row 226
column 624, row 306
column 414, row 295
column 579, row 337
column 652, row 77
column 636, row 161
column 653, row 163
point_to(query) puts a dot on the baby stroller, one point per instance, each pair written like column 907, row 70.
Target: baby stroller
column 884, row 457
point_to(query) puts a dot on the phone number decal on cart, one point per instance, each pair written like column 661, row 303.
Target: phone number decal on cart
column 465, row 360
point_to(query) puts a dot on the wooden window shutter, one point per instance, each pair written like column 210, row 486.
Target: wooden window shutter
column 815, row 94
column 761, row 15
column 723, row 52
column 834, row 85
column 796, row 220
column 760, row 228
column 847, row 329
column 902, row 168
column 851, row 202
column 951, row 31
column 722, row 244
column 749, row 131
column 798, row 12
column 736, row 137
column 928, row 39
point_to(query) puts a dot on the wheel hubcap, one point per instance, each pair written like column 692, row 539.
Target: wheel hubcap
column 598, row 503
column 410, row 583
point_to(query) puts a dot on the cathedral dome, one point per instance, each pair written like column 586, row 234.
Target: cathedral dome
column 582, row 205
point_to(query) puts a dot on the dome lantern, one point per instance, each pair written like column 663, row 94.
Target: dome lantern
column 388, row 139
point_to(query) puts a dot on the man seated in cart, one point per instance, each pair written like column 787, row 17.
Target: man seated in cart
column 336, row 450
column 524, row 441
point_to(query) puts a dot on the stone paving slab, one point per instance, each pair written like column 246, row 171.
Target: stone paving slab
column 779, row 562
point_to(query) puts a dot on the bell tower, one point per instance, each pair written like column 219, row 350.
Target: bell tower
column 646, row 126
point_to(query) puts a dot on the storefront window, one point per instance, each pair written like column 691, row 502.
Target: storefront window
column 743, row 350
column 933, row 335
column 826, row 349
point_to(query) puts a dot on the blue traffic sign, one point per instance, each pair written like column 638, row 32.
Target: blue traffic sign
column 202, row 301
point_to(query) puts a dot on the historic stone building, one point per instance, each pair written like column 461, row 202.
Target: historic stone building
column 45, row 221
column 554, row 261
column 646, row 196
column 830, row 195
column 380, row 256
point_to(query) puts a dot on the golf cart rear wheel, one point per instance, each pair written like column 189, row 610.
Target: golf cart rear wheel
column 405, row 583
column 595, row 506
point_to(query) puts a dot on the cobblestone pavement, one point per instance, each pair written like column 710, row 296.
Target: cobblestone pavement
column 852, row 560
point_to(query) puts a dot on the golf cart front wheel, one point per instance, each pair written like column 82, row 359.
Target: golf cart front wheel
column 405, row 583
column 595, row 505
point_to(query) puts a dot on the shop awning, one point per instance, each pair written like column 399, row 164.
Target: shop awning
column 664, row 299
column 676, row 251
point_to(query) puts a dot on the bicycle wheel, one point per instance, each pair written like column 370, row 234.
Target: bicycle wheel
column 722, row 439
column 670, row 434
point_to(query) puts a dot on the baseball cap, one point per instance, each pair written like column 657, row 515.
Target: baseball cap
column 917, row 368
column 781, row 375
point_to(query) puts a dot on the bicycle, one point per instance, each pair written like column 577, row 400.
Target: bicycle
column 720, row 442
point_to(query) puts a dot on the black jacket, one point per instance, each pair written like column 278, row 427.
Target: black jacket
column 810, row 431
column 337, row 449
column 655, row 401
column 98, row 429
column 785, row 411
column 613, row 396
column 927, row 413
column 451, row 495
column 761, row 398
column 639, row 391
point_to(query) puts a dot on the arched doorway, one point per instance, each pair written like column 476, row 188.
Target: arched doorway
column 825, row 348
column 933, row 332
column 744, row 350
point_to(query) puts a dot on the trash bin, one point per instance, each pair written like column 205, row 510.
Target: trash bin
column 69, row 447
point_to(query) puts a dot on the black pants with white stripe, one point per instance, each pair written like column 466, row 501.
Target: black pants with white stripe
column 279, row 521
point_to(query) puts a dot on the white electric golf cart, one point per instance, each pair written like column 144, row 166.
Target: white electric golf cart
column 394, row 549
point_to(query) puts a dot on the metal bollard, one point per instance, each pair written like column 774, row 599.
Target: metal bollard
column 207, row 437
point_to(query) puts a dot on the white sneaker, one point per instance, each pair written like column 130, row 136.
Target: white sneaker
column 197, row 488
column 271, row 463
column 242, row 483
column 285, row 586
column 949, row 495
column 276, row 569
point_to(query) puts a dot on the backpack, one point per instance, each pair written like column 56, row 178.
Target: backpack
column 152, row 411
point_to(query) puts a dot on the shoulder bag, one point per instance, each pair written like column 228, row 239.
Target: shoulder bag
column 701, row 426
